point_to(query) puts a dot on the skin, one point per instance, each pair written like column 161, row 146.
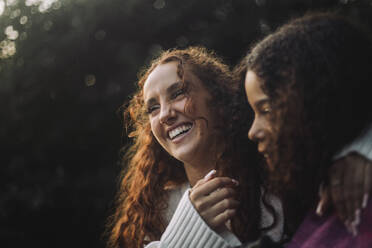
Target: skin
column 261, row 129
column 166, row 101
column 214, row 200
column 349, row 187
column 350, row 176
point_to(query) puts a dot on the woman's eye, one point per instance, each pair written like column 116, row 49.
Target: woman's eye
column 266, row 110
column 178, row 93
column 152, row 109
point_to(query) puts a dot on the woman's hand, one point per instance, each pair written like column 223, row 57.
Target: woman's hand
column 348, row 190
column 213, row 198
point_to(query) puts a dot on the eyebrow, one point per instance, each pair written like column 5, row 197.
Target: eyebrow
column 169, row 90
column 261, row 102
column 150, row 102
column 174, row 86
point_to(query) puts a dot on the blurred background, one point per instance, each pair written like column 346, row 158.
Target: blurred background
column 66, row 66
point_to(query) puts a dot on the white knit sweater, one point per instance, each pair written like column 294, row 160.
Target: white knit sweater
column 187, row 229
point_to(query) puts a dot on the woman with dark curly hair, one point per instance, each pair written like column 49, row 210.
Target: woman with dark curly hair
column 186, row 119
column 309, row 86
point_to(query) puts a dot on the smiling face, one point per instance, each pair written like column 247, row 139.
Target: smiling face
column 261, row 130
column 187, row 135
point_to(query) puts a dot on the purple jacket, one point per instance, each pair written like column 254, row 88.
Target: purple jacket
column 329, row 231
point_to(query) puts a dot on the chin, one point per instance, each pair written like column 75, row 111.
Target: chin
column 269, row 162
column 185, row 156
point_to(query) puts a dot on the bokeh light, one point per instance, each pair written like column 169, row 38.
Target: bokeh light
column 23, row 20
column 7, row 49
column 44, row 5
column 2, row 7
column 159, row 4
column 11, row 33
column 11, row 2
column 90, row 80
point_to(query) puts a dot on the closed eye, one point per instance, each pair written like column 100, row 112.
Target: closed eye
column 152, row 108
column 177, row 93
column 266, row 110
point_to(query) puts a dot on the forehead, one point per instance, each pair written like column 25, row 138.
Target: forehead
column 253, row 87
column 160, row 78
column 252, row 82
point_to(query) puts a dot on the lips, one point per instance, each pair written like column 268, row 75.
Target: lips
column 265, row 154
column 179, row 130
column 263, row 151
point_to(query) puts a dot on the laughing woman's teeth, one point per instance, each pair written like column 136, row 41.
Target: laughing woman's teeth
column 179, row 130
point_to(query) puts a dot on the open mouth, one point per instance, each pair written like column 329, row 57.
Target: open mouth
column 182, row 129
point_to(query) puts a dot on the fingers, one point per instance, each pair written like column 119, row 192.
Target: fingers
column 367, row 183
column 206, row 188
column 350, row 182
column 357, row 191
column 207, row 177
column 210, row 175
column 353, row 186
column 336, row 180
column 325, row 200
column 214, row 199
column 220, row 195
column 203, row 200
column 221, row 207
column 222, row 218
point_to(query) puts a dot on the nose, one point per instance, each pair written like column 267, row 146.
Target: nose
column 256, row 132
column 167, row 114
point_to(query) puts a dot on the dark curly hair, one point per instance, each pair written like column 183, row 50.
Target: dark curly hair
column 316, row 72
column 149, row 170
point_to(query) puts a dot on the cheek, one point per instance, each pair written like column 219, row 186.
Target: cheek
column 202, row 108
column 155, row 128
column 268, row 127
column 181, row 105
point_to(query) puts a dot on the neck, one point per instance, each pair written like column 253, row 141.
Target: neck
column 198, row 168
column 203, row 161
column 196, row 172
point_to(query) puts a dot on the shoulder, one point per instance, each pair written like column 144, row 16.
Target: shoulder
column 267, row 217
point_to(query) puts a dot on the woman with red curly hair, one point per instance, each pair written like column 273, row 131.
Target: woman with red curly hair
column 186, row 119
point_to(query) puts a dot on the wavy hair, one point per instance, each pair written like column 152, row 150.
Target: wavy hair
column 316, row 71
column 149, row 170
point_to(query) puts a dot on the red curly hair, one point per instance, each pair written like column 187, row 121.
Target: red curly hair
column 149, row 170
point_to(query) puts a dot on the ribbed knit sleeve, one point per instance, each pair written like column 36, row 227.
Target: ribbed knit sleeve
column 188, row 229
column 361, row 145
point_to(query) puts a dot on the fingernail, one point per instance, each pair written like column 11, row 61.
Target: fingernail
column 210, row 174
column 353, row 230
column 365, row 200
column 357, row 216
column 348, row 227
column 356, row 221
column 319, row 211
column 235, row 182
